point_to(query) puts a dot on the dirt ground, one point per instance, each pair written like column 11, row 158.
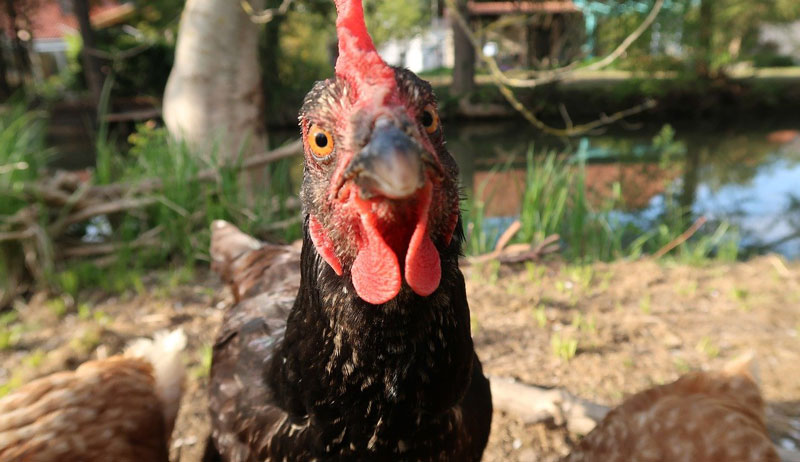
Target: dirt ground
column 601, row 331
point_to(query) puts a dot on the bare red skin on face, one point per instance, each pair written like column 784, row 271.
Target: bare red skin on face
column 323, row 244
column 358, row 61
column 423, row 265
column 389, row 240
column 371, row 82
column 375, row 271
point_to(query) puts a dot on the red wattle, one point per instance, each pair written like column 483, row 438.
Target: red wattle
column 423, row 265
column 375, row 271
column 323, row 244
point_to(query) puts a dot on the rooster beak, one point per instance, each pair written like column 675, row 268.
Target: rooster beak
column 391, row 164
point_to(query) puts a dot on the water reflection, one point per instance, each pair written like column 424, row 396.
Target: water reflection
column 749, row 177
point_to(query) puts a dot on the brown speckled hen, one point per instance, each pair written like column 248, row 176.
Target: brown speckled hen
column 119, row 409
column 358, row 347
column 701, row 417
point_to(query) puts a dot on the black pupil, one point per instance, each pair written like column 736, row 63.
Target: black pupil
column 321, row 139
column 427, row 118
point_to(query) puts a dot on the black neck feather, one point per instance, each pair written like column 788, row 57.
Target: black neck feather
column 343, row 358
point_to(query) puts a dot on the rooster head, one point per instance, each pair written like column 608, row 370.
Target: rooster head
column 380, row 190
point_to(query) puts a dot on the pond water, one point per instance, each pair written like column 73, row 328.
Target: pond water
column 748, row 176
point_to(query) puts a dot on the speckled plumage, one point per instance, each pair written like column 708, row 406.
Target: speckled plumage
column 359, row 348
column 702, row 417
column 304, row 369
column 107, row 410
column 325, row 376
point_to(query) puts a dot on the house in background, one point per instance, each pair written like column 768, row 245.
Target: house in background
column 43, row 27
column 518, row 33
column 432, row 49
column 783, row 38
column 530, row 34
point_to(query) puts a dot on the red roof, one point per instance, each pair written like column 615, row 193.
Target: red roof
column 524, row 7
column 49, row 21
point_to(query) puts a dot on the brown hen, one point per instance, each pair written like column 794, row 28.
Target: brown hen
column 119, row 409
column 701, row 417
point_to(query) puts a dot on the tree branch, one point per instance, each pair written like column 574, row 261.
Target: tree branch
column 504, row 83
column 535, row 404
column 623, row 47
column 265, row 16
column 12, row 167
column 147, row 239
column 559, row 73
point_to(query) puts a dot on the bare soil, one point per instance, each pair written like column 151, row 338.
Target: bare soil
column 632, row 325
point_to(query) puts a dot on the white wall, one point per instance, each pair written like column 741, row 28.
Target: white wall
column 785, row 36
column 429, row 50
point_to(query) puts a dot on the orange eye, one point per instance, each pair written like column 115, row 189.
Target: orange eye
column 320, row 141
column 430, row 119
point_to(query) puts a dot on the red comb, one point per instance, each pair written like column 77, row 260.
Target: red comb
column 358, row 61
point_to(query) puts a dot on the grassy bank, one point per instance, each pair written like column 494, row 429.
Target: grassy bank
column 176, row 221
column 169, row 227
column 555, row 202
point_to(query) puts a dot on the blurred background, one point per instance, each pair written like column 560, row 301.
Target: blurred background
column 647, row 153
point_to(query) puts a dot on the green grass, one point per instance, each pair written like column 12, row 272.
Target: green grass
column 540, row 315
column 203, row 367
column 555, row 202
column 707, row 347
column 180, row 217
column 564, row 347
column 646, row 304
column 22, row 154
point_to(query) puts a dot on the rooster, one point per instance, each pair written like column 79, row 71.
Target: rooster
column 119, row 409
column 701, row 417
column 357, row 347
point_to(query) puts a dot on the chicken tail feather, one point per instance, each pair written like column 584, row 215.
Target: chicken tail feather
column 164, row 354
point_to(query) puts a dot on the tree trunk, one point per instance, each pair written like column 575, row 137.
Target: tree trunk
column 91, row 67
column 5, row 89
column 464, row 55
column 22, row 63
column 214, row 100
column 270, row 53
column 705, row 52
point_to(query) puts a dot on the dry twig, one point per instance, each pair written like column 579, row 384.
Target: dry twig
column 516, row 253
column 682, row 238
column 63, row 199
column 535, row 404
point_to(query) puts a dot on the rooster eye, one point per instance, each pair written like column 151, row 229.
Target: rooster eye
column 320, row 141
column 430, row 119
